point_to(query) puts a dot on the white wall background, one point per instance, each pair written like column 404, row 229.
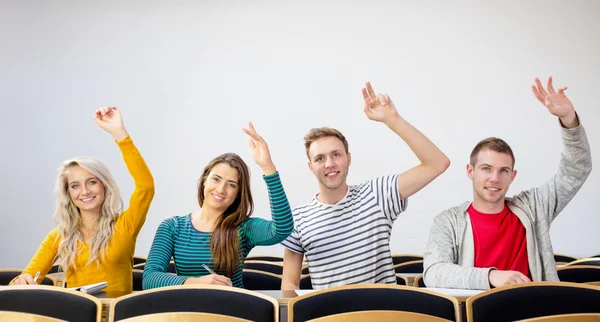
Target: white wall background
column 188, row 75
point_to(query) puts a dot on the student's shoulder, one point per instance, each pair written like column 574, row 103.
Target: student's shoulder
column 306, row 206
column 176, row 221
column 454, row 213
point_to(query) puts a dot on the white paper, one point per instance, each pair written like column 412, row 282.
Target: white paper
column 304, row 292
column 91, row 288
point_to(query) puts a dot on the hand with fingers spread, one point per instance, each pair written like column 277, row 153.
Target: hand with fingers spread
column 260, row 150
column 557, row 103
column 378, row 107
column 109, row 118
column 500, row 278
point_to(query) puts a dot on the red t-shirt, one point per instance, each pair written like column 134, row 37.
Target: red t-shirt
column 500, row 240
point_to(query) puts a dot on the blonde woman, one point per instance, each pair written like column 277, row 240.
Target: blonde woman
column 95, row 240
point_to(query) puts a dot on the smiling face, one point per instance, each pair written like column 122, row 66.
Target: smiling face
column 221, row 187
column 329, row 162
column 492, row 175
column 86, row 191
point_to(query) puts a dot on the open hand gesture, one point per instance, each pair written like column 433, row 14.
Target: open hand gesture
column 378, row 107
column 260, row 150
column 557, row 103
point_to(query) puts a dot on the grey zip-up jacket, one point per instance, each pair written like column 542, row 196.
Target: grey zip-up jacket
column 450, row 254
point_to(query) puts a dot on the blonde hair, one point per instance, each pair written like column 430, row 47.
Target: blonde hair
column 68, row 217
column 323, row 132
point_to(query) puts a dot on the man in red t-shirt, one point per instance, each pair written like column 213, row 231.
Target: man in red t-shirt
column 494, row 240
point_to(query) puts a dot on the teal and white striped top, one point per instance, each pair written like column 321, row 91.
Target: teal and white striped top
column 176, row 237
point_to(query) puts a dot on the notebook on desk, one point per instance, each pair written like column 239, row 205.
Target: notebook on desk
column 91, row 289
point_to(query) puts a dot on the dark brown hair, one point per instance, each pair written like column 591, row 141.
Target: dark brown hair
column 224, row 242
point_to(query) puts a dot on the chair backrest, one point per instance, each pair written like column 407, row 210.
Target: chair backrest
column 139, row 260
column 138, row 276
column 276, row 259
column 271, row 267
column 410, row 267
column 419, row 281
column 224, row 300
column 403, row 258
column 579, row 274
column 54, row 269
column 401, row 280
column 10, row 316
column 184, row 316
column 379, row 316
column 8, row 274
column 535, row 299
column 305, row 270
column 560, row 258
column 583, row 317
column 260, row 281
column 171, row 269
column 305, row 282
column 50, row 301
column 594, row 261
column 371, row 297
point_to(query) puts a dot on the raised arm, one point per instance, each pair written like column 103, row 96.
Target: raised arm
column 260, row 231
column 109, row 119
column 380, row 108
column 576, row 159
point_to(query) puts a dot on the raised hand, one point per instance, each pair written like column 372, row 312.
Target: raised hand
column 109, row 118
column 557, row 103
column 260, row 150
column 378, row 107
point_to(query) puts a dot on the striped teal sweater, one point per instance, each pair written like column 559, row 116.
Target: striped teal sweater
column 177, row 238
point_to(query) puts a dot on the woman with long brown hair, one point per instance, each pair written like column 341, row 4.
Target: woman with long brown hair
column 222, row 233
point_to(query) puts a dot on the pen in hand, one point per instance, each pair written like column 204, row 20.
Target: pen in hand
column 208, row 269
column 36, row 277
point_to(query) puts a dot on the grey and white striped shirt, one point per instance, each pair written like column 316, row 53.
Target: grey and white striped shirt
column 349, row 242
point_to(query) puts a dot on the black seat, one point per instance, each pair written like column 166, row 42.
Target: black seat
column 7, row 275
column 529, row 300
column 401, row 280
column 419, row 281
column 593, row 261
column 579, row 274
column 260, row 281
column 563, row 259
column 276, row 259
column 138, row 276
column 409, row 267
column 305, row 283
column 196, row 298
column 271, row 267
column 403, row 258
column 56, row 302
column 139, row 260
column 371, row 297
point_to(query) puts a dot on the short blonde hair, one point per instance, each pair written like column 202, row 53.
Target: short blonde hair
column 323, row 132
